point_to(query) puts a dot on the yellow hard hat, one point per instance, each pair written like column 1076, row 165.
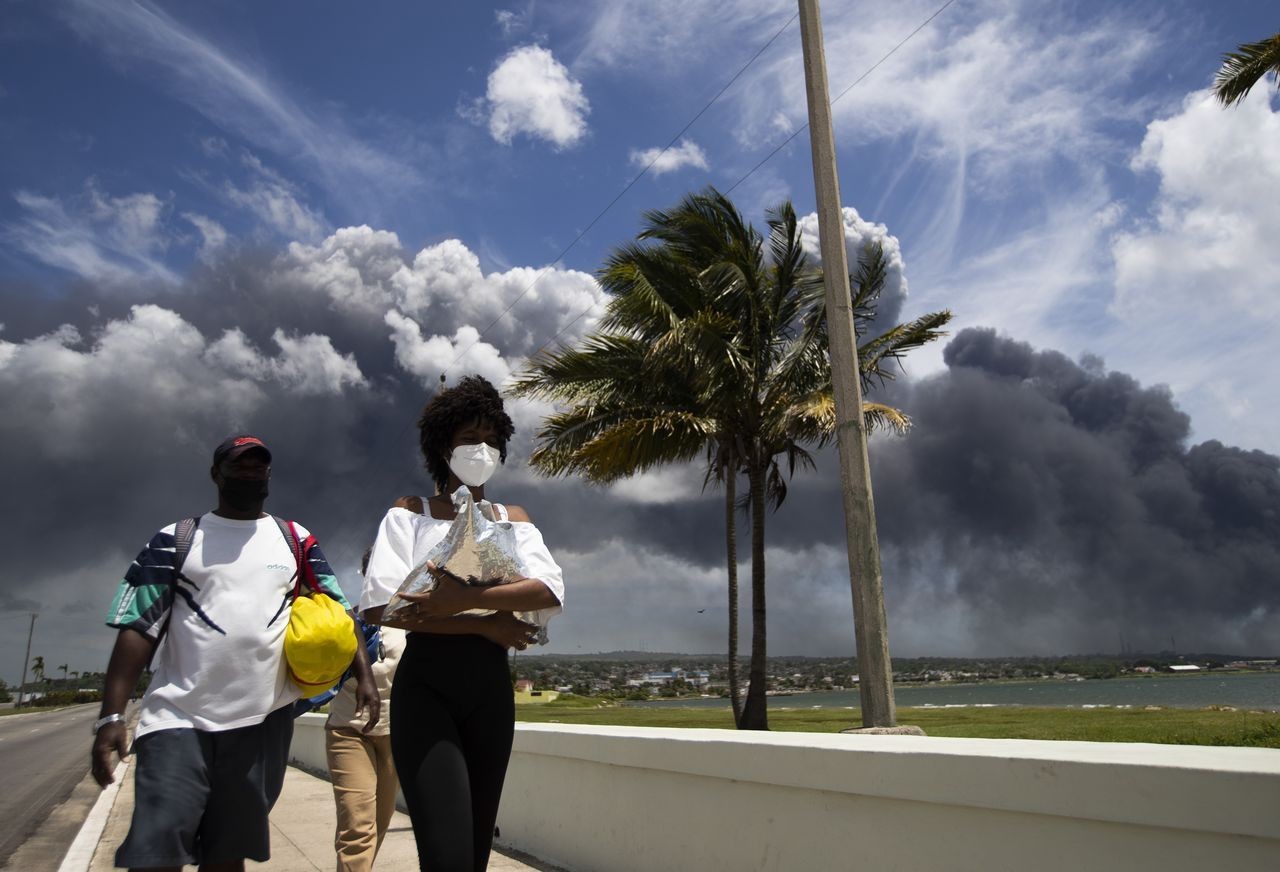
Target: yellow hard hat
column 319, row 643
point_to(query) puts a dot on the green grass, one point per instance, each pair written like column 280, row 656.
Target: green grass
column 1164, row 725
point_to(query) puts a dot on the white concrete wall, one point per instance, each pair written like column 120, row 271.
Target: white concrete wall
column 623, row 798
column 307, row 749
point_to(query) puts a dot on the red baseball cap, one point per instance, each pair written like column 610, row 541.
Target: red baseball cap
column 233, row 446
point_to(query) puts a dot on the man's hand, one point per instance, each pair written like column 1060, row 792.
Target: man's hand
column 130, row 654
column 366, row 688
column 507, row 631
column 112, row 737
column 448, row 597
column 367, row 700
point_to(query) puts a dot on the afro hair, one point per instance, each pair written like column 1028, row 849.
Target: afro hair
column 473, row 398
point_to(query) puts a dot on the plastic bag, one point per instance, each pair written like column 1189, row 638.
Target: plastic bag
column 477, row 550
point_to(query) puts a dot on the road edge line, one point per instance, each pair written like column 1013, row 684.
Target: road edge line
column 80, row 855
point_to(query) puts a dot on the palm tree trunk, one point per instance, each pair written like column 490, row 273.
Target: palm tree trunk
column 731, row 552
column 755, row 714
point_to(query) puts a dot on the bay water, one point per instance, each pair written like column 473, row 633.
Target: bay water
column 1243, row 690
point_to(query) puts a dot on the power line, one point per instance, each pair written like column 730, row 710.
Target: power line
column 788, row 140
column 871, row 69
column 612, row 202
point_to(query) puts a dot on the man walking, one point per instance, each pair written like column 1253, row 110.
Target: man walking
column 213, row 734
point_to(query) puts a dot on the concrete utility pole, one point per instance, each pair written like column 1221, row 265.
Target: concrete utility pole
column 875, row 673
column 30, row 631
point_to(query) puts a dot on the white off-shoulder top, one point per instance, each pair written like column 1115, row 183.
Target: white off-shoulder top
column 405, row 538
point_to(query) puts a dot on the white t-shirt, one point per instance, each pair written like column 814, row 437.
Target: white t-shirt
column 221, row 662
column 405, row 539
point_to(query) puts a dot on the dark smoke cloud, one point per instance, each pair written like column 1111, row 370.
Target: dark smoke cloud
column 1039, row 503
column 1052, row 497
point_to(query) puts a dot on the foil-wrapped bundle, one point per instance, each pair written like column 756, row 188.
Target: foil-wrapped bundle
column 477, row 550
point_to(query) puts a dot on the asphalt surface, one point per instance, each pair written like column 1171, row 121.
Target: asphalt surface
column 43, row 756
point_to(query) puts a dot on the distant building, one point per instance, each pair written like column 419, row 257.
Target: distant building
column 698, row 678
column 1184, row 667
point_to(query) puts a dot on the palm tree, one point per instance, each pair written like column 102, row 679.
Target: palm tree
column 63, row 667
column 1241, row 69
column 37, row 669
column 711, row 347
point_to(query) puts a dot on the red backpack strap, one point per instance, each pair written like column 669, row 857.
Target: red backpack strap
column 301, row 549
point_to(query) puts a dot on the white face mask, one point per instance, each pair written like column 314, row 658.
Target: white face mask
column 474, row 464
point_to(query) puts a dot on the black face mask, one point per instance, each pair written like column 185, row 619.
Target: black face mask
column 243, row 494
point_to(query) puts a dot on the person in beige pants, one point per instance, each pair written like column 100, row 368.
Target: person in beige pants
column 364, row 776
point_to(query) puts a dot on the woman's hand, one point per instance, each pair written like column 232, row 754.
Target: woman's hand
column 507, row 631
column 448, row 597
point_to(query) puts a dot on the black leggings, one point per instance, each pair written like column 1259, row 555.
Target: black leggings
column 452, row 723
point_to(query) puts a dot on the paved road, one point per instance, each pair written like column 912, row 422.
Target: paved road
column 43, row 756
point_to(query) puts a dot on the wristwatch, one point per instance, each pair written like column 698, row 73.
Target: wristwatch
column 108, row 719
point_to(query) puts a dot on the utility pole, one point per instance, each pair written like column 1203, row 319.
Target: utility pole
column 875, row 684
column 25, row 660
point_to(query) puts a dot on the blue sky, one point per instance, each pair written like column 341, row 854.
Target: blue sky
column 1054, row 171
column 999, row 145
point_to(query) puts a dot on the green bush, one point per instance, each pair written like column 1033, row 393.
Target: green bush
column 66, row 697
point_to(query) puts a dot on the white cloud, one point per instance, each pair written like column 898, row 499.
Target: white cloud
column 132, row 222
column 353, row 267
column 1007, row 85
column 311, row 365
column 307, row 365
column 362, row 270
column 1214, row 221
column 668, row 484
column 514, row 21
column 234, row 353
column 1197, row 283
column 108, row 239
column 275, row 202
column 213, row 236
column 238, row 97
column 153, row 360
column 858, row 233
column 428, row 359
column 278, row 208
column 639, row 33
column 214, row 146
column 532, row 93
column 687, row 154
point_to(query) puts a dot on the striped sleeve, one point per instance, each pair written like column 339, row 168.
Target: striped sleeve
column 324, row 573
column 145, row 594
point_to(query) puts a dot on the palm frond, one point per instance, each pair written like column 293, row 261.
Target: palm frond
column 1242, row 68
column 601, row 366
column 813, row 418
column 867, row 284
column 876, row 355
column 638, row 444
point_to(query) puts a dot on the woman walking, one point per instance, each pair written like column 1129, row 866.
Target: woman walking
column 453, row 710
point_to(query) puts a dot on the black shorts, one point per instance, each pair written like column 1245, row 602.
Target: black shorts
column 203, row 796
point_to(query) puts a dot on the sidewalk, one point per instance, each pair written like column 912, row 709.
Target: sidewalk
column 302, row 826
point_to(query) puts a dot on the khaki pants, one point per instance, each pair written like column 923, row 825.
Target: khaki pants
column 364, row 786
